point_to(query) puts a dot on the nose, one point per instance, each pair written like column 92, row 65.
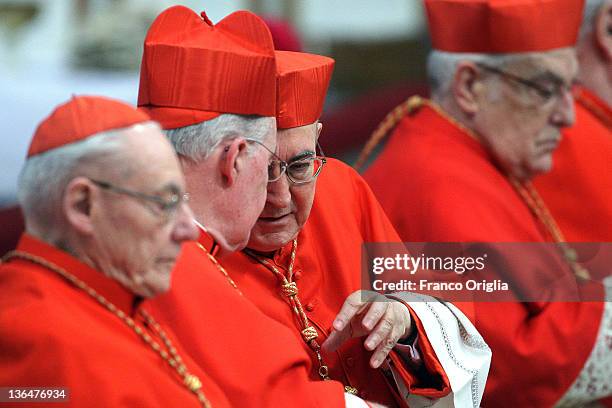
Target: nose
column 564, row 114
column 279, row 193
column 184, row 227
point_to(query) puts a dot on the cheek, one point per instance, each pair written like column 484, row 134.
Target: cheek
column 530, row 120
column 152, row 253
column 140, row 250
column 523, row 129
column 114, row 233
column 303, row 198
column 259, row 179
column 534, row 134
column 124, row 251
column 263, row 168
column 141, row 243
column 131, row 238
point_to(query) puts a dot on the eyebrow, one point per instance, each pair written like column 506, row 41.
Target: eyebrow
column 302, row 155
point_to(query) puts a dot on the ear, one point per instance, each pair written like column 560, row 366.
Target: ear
column 76, row 205
column 319, row 127
column 467, row 87
column 231, row 160
column 602, row 30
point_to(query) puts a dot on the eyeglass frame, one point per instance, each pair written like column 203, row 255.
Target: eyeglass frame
column 284, row 165
column 546, row 94
column 284, row 169
column 167, row 207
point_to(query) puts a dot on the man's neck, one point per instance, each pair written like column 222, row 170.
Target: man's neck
column 263, row 254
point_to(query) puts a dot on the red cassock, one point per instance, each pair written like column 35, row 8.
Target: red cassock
column 578, row 191
column 438, row 184
column 252, row 357
column 53, row 334
column 327, row 269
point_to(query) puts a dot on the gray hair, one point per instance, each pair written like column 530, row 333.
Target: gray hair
column 44, row 177
column 591, row 8
column 196, row 142
column 441, row 66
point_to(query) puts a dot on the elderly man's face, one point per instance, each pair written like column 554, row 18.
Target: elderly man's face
column 228, row 189
column 287, row 205
column 136, row 238
column 250, row 194
column 518, row 125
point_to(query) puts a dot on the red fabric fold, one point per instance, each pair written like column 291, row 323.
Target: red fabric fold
column 302, row 81
column 435, row 383
column 503, row 26
column 192, row 66
column 578, row 190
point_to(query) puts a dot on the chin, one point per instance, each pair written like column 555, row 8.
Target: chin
column 160, row 289
column 544, row 164
column 269, row 242
column 229, row 247
column 160, row 283
column 234, row 244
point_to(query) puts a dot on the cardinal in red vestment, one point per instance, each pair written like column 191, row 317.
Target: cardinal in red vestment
column 103, row 230
column 222, row 125
column 458, row 169
column 578, row 189
column 303, row 265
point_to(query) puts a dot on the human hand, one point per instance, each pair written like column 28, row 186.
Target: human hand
column 384, row 320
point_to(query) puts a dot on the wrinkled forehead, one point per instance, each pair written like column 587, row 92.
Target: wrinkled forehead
column 295, row 140
column 560, row 63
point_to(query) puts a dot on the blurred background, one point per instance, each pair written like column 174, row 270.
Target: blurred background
column 51, row 49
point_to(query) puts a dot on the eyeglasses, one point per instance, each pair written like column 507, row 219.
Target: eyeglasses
column 248, row 139
column 167, row 203
column 553, row 90
column 301, row 171
column 276, row 158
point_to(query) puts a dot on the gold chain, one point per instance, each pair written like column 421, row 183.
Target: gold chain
column 386, row 126
column 171, row 356
column 534, row 202
column 526, row 191
column 538, row 208
column 290, row 291
column 219, row 267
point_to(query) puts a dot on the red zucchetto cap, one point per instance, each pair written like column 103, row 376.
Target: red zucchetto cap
column 503, row 26
column 193, row 71
column 302, row 81
column 80, row 118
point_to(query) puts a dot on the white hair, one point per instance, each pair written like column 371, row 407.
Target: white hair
column 44, row 177
column 196, row 142
column 441, row 66
column 591, row 8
